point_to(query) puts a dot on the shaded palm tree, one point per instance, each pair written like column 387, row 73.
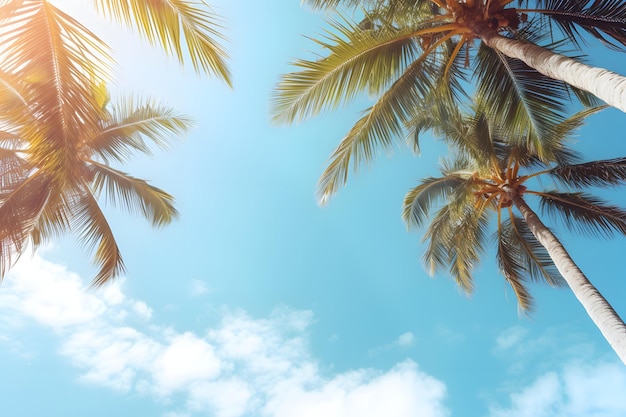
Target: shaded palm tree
column 58, row 138
column 487, row 183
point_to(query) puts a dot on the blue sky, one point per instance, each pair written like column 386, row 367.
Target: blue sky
column 259, row 302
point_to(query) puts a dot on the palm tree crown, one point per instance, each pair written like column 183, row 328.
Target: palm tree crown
column 405, row 52
column 59, row 136
column 43, row 196
column 490, row 168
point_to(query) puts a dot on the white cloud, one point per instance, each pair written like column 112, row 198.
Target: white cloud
column 243, row 365
column 578, row 390
column 406, row 339
column 185, row 360
column 34, row 287
column 403, row 391
column 199, row 288
column 511, row 337
column 227, row 398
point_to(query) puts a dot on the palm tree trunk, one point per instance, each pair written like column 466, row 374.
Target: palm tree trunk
column 604, row 84
column 603, row 315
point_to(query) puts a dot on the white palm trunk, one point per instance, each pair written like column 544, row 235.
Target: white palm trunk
column 603, row 315
column 604, row 84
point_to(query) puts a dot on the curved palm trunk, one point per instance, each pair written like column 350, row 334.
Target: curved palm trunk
column 603, row 315
column 604, row 84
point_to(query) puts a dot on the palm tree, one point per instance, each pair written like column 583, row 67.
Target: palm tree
column 497, row 25
column 43, row 196
column 58, row 139
column 491, row 175
column 181, row 27
column 405, row 52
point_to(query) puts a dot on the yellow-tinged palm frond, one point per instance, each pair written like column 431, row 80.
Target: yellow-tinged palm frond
column 411, row 102
column 13, row 105
column 169, row 23
column 130, row 122
column 134, row 195
column 381, row 124
column 94, row 231
column 357, row 61
column 55, row 218
column 57, row 60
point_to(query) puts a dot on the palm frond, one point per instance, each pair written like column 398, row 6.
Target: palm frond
column 529, row 104
column 455, row 241
column 59, row 60
column 331, row 4
column 591, row 174
column 13, row 106
column 513, row 269
column 131, row 120
column 135, row 195
column 533, row 259
column 584, row 213
column 456, row 234
column 168, row 22
column 469, row 233
column 95, row 233
column 419, row 200
column 377, row 129
column 357, row 60
column 21, row 204
column 604, row 20
column 439, row 235
column 55, row 218
column 522, row 258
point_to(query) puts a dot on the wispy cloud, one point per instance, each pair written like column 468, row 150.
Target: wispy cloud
column 243, row 365
column 511, row 338
column 576, row 390
column 199, row 288
column 406, row 340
